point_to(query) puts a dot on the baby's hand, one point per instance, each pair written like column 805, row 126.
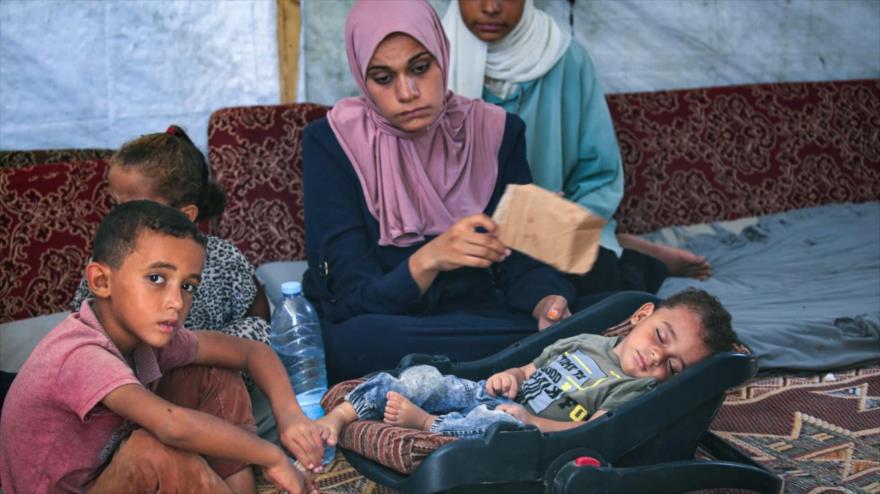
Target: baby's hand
column 502, row 384
column 518, row 412
column 305, row 439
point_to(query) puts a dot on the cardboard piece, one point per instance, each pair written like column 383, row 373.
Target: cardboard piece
column 547, row 227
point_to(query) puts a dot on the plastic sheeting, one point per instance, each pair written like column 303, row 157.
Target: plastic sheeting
column 803, row 287
column 95, row 74
column 649, row 45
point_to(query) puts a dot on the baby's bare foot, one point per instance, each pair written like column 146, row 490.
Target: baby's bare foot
column 335, row 421
column 403, row 413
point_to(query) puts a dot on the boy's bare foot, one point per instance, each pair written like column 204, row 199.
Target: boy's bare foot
column 679, row 262
column 401, row 412
column 335, row 421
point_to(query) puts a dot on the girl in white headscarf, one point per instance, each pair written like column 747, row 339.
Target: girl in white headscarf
column 511, row 54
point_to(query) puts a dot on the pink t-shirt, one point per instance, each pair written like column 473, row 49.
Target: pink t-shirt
column 55, row 434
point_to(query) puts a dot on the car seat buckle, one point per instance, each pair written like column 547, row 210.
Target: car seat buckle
column 587, row 461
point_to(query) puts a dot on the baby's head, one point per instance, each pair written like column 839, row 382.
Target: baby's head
column 146, row 264
column 679, row 332
column 166, row 168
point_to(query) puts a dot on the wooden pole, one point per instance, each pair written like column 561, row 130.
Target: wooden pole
column 289, row 25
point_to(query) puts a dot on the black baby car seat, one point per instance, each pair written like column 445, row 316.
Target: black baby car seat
column 646, row 445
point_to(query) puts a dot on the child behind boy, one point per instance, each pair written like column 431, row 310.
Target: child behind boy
column 166, row 167
column 67, row 422
column 574, row 380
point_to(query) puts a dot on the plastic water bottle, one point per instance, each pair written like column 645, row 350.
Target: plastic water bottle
column 296, row 338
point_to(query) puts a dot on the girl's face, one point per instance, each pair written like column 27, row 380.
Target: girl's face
column 491, row 20
column 405, row 83
column 128, row 184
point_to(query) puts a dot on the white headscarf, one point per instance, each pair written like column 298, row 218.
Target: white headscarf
column 530, row 50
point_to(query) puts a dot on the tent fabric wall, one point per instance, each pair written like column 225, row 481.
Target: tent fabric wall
column 649, row 45
column 95, row 74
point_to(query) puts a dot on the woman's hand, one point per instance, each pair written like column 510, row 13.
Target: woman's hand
column 287, row 478
column 550, row 310
column 303, row 438
column 459, row 246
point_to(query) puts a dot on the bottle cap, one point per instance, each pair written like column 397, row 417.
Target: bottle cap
column 291, row 288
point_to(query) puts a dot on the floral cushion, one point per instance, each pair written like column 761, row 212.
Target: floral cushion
column 255, row 155
column 689, row 156
column 395, row 447
column 16, row 159
column 48, row 217
column 702, row 155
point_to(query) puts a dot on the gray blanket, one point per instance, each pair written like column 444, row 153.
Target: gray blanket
column 803, row 286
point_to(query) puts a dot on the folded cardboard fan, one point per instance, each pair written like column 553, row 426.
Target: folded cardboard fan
column 553, row 230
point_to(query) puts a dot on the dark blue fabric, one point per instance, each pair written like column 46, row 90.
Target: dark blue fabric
column 371, row 342
column 632, row 271
column 350, row 276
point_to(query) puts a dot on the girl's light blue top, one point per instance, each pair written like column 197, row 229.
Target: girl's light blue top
column 570, row 140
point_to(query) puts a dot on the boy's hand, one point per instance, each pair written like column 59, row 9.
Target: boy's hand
column 502, row 384
column 303, row 438
column 518, row 412
column 287, row 478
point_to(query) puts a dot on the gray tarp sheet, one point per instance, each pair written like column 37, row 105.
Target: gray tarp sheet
column 803, row 286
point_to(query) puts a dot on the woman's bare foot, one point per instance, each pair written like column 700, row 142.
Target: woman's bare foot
column 403, row 413
column 679, row 262
column 336, row 420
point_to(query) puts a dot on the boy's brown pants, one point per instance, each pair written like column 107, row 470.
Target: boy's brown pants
column 144, row 464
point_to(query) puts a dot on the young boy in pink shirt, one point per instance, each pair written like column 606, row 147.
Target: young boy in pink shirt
column 119, row 397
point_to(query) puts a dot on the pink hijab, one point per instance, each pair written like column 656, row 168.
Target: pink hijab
column 415, row 184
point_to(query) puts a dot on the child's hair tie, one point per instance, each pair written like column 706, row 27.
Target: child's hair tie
column 178, row 132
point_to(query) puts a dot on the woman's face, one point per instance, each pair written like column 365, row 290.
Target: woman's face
column 491, row 20
column 405, row 83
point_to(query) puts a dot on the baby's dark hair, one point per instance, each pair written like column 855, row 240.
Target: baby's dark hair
column 182, row 174
column 119, row 230
column 717, row 326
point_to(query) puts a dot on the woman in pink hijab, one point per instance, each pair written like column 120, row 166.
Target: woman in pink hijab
column 399, row 186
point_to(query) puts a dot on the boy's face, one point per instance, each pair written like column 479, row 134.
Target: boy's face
column 663, row 342
column 148, row 297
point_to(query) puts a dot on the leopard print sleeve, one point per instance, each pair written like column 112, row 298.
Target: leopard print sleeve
column 226, row 293
column 250, row 327
column 82, row 293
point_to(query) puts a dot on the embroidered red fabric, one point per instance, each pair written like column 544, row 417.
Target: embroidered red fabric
column 48, row 217
column 255, row 154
